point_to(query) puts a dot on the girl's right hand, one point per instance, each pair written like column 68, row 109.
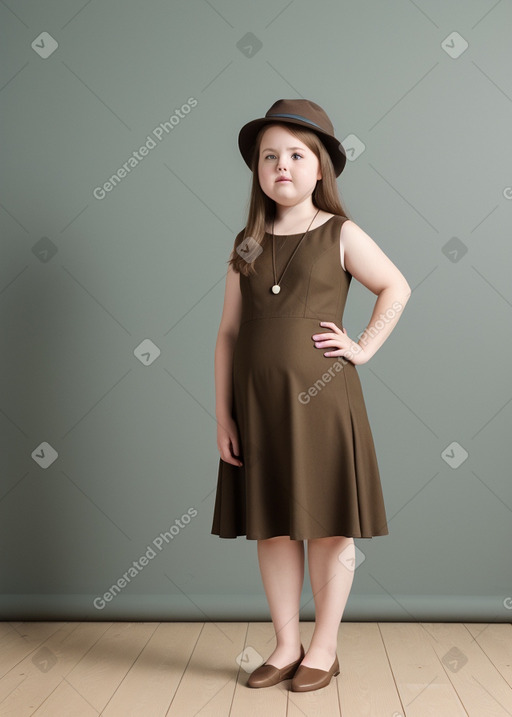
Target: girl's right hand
column 227, row 441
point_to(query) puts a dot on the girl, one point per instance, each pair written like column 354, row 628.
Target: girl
column 297, row 459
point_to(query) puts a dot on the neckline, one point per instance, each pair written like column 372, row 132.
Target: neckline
column 300, row 233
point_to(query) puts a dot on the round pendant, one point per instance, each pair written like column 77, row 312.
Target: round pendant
column 276, row 289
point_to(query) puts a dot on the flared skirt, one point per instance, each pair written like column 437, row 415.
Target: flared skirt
column 309, row 463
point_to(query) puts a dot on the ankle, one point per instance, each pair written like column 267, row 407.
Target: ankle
column 288, row 645
column 326, row 649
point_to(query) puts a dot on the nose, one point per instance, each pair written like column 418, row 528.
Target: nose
column 280, row 162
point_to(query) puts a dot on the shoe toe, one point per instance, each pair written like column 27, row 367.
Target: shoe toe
column 263, row 676
column 311, row 678
column 268, row 675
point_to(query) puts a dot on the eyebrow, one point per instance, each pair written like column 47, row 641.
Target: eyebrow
column 274, row 150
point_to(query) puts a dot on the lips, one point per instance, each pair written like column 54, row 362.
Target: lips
column 283, row 180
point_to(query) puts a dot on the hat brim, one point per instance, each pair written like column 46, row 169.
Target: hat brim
column 247, row 138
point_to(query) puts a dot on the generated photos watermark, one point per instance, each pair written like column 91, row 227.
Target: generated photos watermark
column 159, row 133
column 137, row 566
column 340, row 362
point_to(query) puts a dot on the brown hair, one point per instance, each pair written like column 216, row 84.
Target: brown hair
column 261, row 209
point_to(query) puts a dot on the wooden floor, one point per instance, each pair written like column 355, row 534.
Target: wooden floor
column 150, row 669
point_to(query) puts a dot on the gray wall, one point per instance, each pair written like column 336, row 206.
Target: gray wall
column 110, row 302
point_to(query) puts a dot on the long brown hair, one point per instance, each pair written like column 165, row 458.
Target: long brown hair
column 262, row 209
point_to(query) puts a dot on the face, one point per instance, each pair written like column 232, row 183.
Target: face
column 282, row 154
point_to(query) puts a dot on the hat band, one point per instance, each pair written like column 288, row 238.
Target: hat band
column 298, row 117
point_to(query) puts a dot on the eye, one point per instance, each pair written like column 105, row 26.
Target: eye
column 295, row 154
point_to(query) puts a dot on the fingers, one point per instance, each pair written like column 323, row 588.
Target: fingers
column 332, row 324
column 229, row 451
column 233, row 461
column 227, row 457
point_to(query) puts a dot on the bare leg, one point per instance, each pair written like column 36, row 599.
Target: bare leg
column 281, row 563
column 331, row 581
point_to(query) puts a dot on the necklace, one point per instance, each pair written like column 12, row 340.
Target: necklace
column 276, row 288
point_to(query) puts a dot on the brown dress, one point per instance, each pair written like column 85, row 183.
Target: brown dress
column 309, row 463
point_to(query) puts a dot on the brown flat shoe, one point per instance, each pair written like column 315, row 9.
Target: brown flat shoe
column 267, row 675
column 310, row 678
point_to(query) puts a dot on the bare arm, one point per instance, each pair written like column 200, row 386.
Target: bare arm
column 369, row 265
column 227, row 335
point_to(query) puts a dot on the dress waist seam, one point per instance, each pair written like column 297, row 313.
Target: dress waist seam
column 325, row 317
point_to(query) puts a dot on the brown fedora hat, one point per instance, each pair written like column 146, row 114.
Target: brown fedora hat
column 303, row 113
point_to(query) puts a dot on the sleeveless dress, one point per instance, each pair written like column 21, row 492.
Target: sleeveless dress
column 309, row 463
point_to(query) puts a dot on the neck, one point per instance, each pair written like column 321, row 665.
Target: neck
column 295, row 215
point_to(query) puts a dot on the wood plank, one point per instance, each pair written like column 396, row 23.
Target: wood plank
column 209, row 681
column 5, row 629
column 70, row 669
column 495, row 639
column 424, row 688
column 367, row 686
column 31, row 681
column 478, row 683
column 153, row 679
column 23, row 639
column 102, row 669
column 65, row 702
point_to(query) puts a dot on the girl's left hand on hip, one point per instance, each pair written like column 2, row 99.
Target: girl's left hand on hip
column 344, row 346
